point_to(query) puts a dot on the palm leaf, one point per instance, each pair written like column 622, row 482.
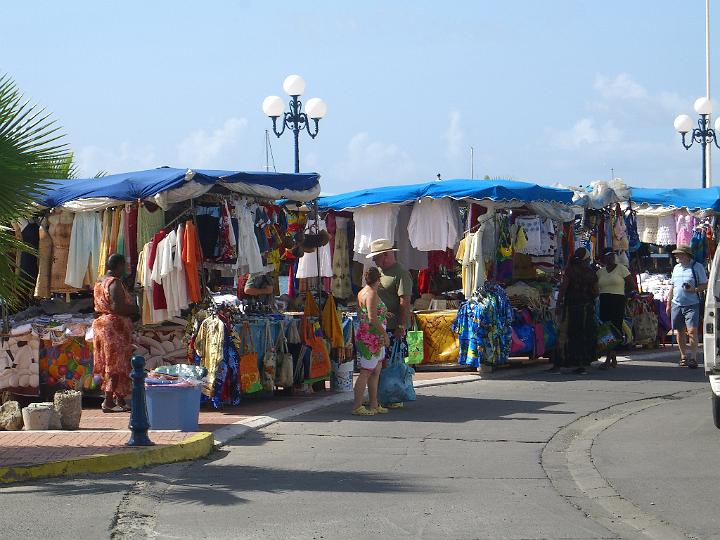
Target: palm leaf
column 32, row 151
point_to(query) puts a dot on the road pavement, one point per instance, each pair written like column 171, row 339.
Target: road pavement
column 540, row 456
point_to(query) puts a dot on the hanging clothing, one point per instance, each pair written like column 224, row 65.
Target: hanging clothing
column 666, row 235
column 249, row 258
column 373, row 223
column 648, row 228
column 341, row 284
column 533, row 229
column 115, row 215
column 45, row 247
column 684, row 227
column 158, row 293
column 60, row 230
column 130, row 232
column 209, row 345
column 408, row 256
column 434, row 225
column 172, row 275
column 148, row 223
column 308, row 263
column 106, row 220
column 330, row 324
column 143, row 280
column 85, row 240
column 191, row 256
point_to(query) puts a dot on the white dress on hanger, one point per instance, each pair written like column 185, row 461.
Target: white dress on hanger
column 666, row 235
column 373, row 223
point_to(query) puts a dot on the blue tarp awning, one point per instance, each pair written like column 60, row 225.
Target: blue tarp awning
column 493, row 190
column 692, row 199
column 145, row 184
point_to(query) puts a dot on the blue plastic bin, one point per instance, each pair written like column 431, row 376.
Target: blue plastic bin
column 173, row 406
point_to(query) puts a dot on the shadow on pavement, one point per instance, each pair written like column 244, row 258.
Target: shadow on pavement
column 445, row 409
column 642, row 370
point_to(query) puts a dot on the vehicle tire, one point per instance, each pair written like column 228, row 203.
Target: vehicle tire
column 716, row 410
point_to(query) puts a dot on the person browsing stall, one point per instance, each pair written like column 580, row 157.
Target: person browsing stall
column 395, row 291
column 614, row 283
column 689, row 281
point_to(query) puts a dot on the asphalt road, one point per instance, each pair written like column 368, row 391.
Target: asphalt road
column 488, row 459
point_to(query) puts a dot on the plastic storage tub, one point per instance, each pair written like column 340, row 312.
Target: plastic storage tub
column 173, row 406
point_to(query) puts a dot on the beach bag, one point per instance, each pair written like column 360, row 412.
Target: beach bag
column 284, row 362
column 396, row 385
column 644, row 320
column 248, row 362
column 414, row 340
column 627, row 334
column 608, row 337
column 315, row 356
column 267, row 377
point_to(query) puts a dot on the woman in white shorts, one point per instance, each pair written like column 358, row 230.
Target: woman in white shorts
column 371, row 340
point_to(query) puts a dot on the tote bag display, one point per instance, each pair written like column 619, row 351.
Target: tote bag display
column 415, row 345
column 315, row 355
column 248, row 363
column 284, row 362
column 267, row 377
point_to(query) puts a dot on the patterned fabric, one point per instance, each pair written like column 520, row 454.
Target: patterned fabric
column 112, row 341
column 341, row 285
column 440, row 343
column 368, row 338
column 484, row 328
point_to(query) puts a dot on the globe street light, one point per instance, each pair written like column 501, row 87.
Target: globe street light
column 296, row 120
column 702, row 134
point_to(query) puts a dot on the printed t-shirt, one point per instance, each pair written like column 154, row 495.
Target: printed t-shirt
column 612, row 282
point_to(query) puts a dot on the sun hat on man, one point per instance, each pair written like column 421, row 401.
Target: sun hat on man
column 379, row 246
column 686, row 250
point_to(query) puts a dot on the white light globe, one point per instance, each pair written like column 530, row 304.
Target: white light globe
column 683, row 123
column 315, row 108
column 703, row 106
column 717, row 124
column 294, row 85
column 272, row 106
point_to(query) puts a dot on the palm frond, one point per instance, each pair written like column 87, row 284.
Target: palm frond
column 32, row 152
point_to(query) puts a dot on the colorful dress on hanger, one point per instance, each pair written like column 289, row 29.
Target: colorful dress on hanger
column 341, row 284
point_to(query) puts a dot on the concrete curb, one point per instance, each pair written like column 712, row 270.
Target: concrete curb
column 196, row 446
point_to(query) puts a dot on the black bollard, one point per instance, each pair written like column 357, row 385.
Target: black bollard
column 139, row 423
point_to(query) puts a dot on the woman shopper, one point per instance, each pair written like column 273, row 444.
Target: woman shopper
column 112, row 334
column 576, row 310
column 371, row 340
column 614, row 283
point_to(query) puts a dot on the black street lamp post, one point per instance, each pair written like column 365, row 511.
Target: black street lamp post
column 295, row 119
column 703, row 134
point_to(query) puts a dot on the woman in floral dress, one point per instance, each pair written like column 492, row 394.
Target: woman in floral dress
column 371, row 339
column 112, row 334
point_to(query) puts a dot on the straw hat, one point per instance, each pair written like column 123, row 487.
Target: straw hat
column 683, row 249
column 381, row 245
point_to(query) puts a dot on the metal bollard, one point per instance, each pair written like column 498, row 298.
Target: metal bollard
column 139, row 423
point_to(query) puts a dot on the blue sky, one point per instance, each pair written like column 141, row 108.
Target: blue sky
column 545, row 91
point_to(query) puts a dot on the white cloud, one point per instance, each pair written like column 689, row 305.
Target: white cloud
column 202, row 149
column 367, row 160
column 585, row 133
column 620, row 87
column 454, row 136
column 126, row 157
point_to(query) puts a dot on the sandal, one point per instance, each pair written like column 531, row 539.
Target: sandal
column 683, row 361
column 380, row 410
column 363, row 411
column 114, row 409
column 692, row 364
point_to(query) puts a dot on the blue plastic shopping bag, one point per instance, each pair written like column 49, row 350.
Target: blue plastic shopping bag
column 396, row 383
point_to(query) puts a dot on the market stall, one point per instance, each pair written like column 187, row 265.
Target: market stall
column 189, row 236
column 459, row 238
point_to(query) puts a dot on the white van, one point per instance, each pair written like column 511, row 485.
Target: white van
column 711, row 337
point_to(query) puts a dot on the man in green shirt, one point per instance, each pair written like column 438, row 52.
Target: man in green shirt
column 395, row 291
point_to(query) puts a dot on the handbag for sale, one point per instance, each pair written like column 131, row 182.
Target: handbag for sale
column 317, row 361
column 248, row 362
column 267, row 377
column 414, row 340
column 284, row 362
column 396, row 385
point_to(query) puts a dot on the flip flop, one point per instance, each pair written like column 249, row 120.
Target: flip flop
column 683, row 362
column 114, row 409
column 363, row 411
column 692, row 364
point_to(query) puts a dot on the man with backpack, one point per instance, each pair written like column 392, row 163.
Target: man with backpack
column 689, row 281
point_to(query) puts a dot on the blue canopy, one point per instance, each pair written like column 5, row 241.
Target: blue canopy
column 494, row 190
column 145, row 184
column 692, row 199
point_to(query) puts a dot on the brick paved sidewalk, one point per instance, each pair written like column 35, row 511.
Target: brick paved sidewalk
column 103, row 433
